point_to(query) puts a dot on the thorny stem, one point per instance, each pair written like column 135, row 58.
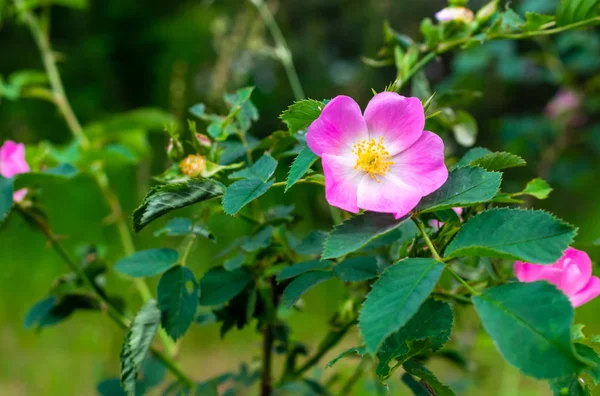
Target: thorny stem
column 283, row 51
column 42, row 40
column 107, row 305
column 421, row 227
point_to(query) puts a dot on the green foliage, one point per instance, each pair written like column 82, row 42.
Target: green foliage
column 537, row 188
column 355, row 233
column 218, row 285
column 180, row 226
column 247, row 111
column 529, row 235
column 55, row 309
column 539, row 316
column 301, row 114
column 535, row 21
column 357, row 269
column 465, row 129
column 471, row 155
column 167, row 197
column 301, row 284
column 262, row 170
column 354, row 350
column 301, row 268
column 569, row 386
column 300, row 166
column 593, row 370
column 428, row 329
column 146, row 119
column 572, row 11
column 498, row 161
column 137, row 343
column 178, row 295
column 413, row 367
column 147, row 262
column 395, row 297
column 6, row 197
column 24, row 83
column 465, row 186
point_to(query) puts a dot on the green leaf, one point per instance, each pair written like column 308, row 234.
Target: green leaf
column 465, row 129
column 301, row 114
column 6, row 197
column 167, row 197
column 147, row 262
column 417, row 369
column 417, row 388
column 395, row 297
column 357, row 269
column 534, row 236
column 262, row 170
column 465, row 186
column 360, row 351
column 219, row 285
column 537, row 188
column 181, row 226
column 154, row 372
column 312, row 243
column 498, row 161
column 534, row 21
column 569, row 386
column 539, row 316
column 57, row 174
column 137, row 343
column 242, row 192
column 300, row 166
column 428, row 329
column 301, row 268
column 590, row 355
column 178, row 295
column 302, row 284
column 247, row 111
column 573, row 11
column 355, row 233
column 473, row 154
column 258, row 241
column 234, row 263
column 112, row 387
column 147, row 119
column 53, row 310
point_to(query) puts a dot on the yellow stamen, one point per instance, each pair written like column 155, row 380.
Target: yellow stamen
column 193, row 165
column 372, row 157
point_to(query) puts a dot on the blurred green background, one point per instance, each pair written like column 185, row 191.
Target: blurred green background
column 119, row 55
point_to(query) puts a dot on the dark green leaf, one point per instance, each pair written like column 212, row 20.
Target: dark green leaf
column 6, row 197
column 147, row 262
column 154, row 372
column 167, row 197
column 242, row 192
column 417, row 369
column 357, row 269
column 569, row 386
column 235, row 262
column 465, row 186
column 312, row 243
column 181, row 226
column 260, row 240
column 40, row 314
column 534, row 236
column 498, row 161
column 415, row 387
column 53, row 310
column 219, row 285
column 262, row 170
column 300, row 166
column 112, row 387
column 137, row 343
column 301, row 268
column 471, row 155
column 355, row 233
column 573, row 11
column 57, row 174
column 534, row 21
column 301, row 114
column 395, row 297
column 178, row 295
column 539, row 316
column 302, row 284
column 590, row 355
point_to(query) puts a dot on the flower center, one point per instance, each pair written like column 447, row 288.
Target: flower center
column 372, row 157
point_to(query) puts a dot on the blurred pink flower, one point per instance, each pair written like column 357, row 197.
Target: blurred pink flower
column 203, row 140
column 436, row 224
column 564, row 102
column 572, row 274
column 382, row 161
column 448, row 14
column 12, row 162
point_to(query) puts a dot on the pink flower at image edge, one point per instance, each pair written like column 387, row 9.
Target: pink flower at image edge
column 382, row 161
column 12, row 162
column 572, row 274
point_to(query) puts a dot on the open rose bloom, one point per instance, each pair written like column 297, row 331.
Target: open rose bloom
column 382, row 161
column 12, row 162
column 572, row 274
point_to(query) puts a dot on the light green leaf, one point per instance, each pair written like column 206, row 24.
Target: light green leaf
column 178, row 295
column 473, row 154
column 417, row 369
column 167, row 197
column 300, row 166
column 219, row 285
column 465, row 186
column 137, row 343
column 573, row 11
column 498, row 161
column 6, row 197
column 537, row 188
column 302, row 284
column 147, row 262
column 301, row 268
column 533, row 236
column 301, row 114
column 357, row 269
column 539, row 316
column 247, row 111
column 242, row 192
column 262, row 170
column 534, row 21
column 360, row 351
column 395, row 297
column 355, row 233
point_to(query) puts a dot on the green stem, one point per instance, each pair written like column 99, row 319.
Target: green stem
column 453, row 296
column 285, row 55
column 462, row 281
column 415, row 69
column 301, row 181
column 421, row 227
column 188, row 249
column 360, row 369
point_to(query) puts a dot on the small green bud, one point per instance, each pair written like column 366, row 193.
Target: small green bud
column 487, row 11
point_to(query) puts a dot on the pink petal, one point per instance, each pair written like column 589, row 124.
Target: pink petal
column 590, row 291
column 527, row 272
column 12, row 159
column 390, row 195
column 338, row 128
column 399, row 120
column 19, row 195
column 458, row 211
column 341, row 181
column 421, row 166
column 576, row 269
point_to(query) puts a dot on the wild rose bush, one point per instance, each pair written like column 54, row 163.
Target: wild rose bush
column 417, row 236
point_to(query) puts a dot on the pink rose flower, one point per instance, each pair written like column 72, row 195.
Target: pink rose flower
column 382, row 161
column 566, row 103
column 448, row 14
column 572, row 274
column 12, row 162
column 436, row 224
